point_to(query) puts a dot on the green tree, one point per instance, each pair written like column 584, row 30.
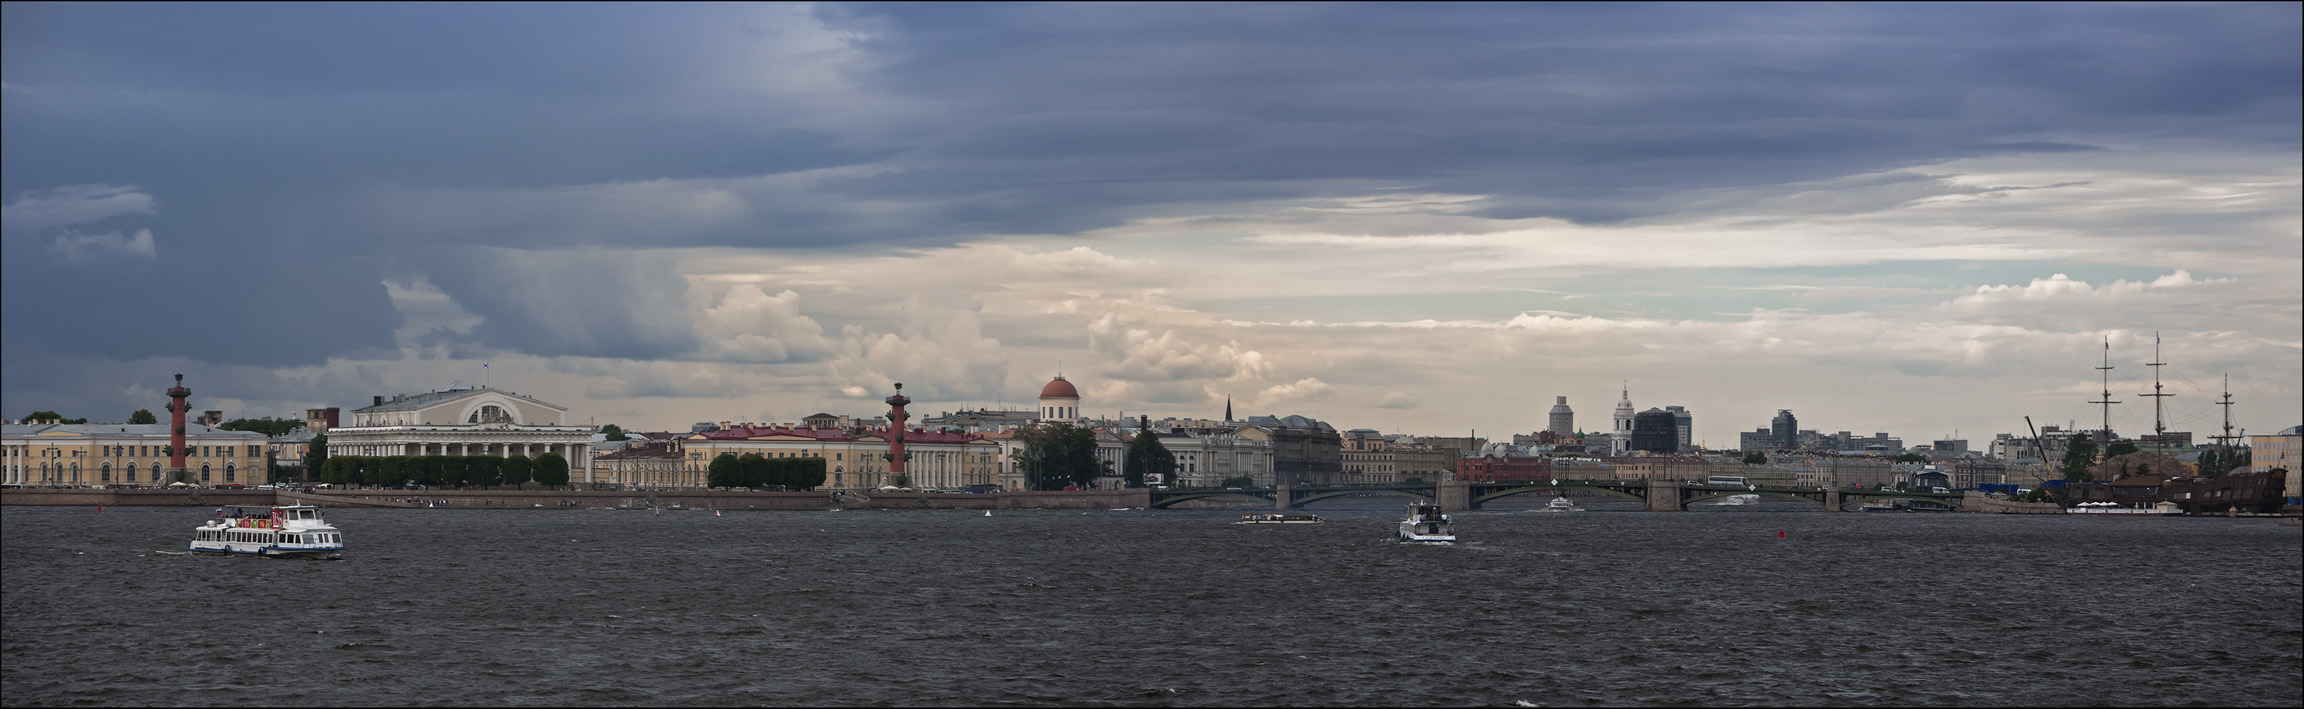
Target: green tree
column 483, row 470
column 1911, row 458
column 1059, row 454
column 1148, row 460
column 53, row 416
column 2119, row 448
column 266, row 426
column 614, row 432
column 315, row 455
column 143, row 416
column 551, row 470
column 1239, row 481
column 1756, row 458
column 724, row 471
column 753, row 470
column 518, row 470
column 813, row 473
column 2077, row 457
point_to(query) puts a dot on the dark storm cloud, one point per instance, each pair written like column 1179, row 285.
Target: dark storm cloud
column 301, row 154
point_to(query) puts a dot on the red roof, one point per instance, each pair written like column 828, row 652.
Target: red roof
column 832, row 435
column 1059, row 389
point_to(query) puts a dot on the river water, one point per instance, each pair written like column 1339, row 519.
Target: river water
column 1156, row 608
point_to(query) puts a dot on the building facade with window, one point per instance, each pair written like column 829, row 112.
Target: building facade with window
column 127, row 454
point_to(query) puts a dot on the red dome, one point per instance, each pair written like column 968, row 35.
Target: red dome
column 1059, row 389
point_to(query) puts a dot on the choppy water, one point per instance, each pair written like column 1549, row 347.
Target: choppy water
column 1154, row 608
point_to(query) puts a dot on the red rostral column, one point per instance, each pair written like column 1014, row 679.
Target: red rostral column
column 176, row 409
column 896, row 431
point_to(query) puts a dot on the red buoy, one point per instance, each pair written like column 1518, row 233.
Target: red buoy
column 1779, row 534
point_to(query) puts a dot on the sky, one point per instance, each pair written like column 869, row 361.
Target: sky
column 1925, row 220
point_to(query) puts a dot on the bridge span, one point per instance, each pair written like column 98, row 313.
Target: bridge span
column 1455, row 495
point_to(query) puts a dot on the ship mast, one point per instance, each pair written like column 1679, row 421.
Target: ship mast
column 2159, row 427
column 2107, row 401
column 2226, row 439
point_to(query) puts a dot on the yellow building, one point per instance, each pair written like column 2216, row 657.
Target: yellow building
column 127, row 454
column 857, row 459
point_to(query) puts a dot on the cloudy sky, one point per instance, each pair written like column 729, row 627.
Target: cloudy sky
column 1919, row 219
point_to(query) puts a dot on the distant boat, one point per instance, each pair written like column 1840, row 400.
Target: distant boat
column 2163, row 509
column 1560, row 504
column 1271, row 518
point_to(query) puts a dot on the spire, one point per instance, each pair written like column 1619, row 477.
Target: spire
column 1227, row 408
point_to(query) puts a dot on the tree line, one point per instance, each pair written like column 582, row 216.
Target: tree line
column 755, row 470
column 549, row 469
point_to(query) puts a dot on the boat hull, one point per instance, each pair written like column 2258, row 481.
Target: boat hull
column 267, row 550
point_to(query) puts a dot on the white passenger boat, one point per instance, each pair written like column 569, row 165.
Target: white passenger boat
column 1270, row 518
column 295, row 532
column 1560, row 504
column 2164, row 508
column 1426, row 524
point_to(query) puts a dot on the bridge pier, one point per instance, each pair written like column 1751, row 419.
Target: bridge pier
column 1282, row 496
column 1664, row 496
column 1832, row 499
column 1453, row 495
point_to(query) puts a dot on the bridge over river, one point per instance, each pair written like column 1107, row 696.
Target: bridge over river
column 1654, row 495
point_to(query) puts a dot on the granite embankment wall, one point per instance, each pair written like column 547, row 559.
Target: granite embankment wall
column 566, row 499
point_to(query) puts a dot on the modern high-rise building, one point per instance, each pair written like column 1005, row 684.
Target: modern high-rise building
column 1784, row 430
column 1563, row 419
column 1655, row 431
column 1686, row 424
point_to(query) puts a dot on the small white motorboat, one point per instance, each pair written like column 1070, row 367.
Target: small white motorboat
column 1426, row 524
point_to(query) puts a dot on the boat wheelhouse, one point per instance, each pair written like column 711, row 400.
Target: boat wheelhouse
column 1426, row 524
column 292, row 532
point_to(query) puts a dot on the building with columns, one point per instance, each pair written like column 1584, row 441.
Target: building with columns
column 855, row 458
column 465, row 421
column 127, row 454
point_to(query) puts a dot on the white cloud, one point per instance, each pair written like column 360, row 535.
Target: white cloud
column 1301, row 389
column 74, row 204
column 76, row 247
column 748, row 325
column 1396, row 400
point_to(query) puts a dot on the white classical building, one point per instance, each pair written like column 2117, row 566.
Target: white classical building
column 466, row 421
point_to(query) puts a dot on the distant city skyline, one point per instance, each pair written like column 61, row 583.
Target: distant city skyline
column 1923, row 220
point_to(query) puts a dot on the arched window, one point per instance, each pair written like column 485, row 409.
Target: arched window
column 43, row 472
column 203, row 472
column 105, row 474
column 131, row 474
column 228, row 471
column 489, row 414
column 75, row 471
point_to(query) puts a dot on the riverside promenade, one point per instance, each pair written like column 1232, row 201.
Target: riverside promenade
column 577, row 499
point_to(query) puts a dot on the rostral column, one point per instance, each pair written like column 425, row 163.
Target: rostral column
column 176, row 409
column 896, row 430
